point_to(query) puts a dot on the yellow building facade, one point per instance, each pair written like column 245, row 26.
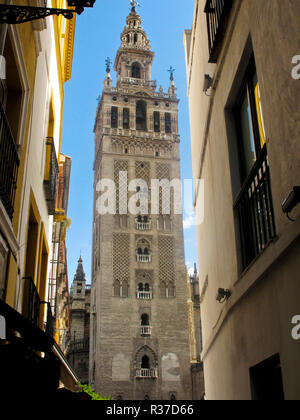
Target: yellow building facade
column 38, row 61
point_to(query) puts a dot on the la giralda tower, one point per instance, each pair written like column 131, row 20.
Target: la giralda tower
column 139, row 345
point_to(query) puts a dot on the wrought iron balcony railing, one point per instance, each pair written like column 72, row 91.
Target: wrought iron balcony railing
column 146, row 373
column 9, row 164
column 254, row 207
column 139, row 82
column 145, row 330
column 142, row 258
column 81, row 345
column 32, row 302
column 217, row 12
column 49, row 325
column 32, row 308
column 143, row 225
column 51, row 175
column 144, row 295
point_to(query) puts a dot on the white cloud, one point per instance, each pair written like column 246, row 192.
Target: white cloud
column 191, row 271
column 189, row 222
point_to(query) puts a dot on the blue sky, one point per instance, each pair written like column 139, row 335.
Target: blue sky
column 97, row 36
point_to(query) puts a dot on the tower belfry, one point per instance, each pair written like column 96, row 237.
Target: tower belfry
column 139, row 345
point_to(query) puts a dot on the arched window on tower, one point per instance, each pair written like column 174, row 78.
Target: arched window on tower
column 163, row 290
column 168, row 125
column 136, row 70
column 145, row 326
column 145, row 320
column 126, row 118
column 114, row 117
column 135, row 39
column 145, row 362
column 117, row 288
column 156, row 118
column 171, row 290
column 141, row 116
column 125, row 288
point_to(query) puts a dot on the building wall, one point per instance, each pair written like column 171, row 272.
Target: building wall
column 256, row 322
column 42, row 57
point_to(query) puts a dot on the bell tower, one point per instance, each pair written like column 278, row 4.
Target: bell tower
column 139, row 347
column 134, row 58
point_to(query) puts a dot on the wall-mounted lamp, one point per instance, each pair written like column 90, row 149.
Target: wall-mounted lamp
column 223, row 295
column 207, row 83
column 291, row 202
column 13, row 14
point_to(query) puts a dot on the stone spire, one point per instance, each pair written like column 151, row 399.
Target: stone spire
column 80, row 274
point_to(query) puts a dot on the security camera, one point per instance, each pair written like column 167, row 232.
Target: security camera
column 207, row 82
column 223, row 295
column 291, row 201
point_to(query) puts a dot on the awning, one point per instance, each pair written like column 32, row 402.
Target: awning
column 67, row 375
column 34, row 342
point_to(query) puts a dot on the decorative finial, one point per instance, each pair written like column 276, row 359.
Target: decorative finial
column 171, row 71
column 108, row 63
column 133, row 4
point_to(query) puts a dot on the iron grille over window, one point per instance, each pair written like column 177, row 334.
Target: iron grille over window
column 255, row 210
column 168, row 126
column 141, row 116
column 9, row 164
column 126, row 118
column 114, row 117
column 217, row 12
column 156, row 117
column 51, row 175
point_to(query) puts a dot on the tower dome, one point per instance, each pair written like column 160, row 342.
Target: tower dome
column 133, row 35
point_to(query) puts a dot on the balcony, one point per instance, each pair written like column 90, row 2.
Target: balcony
column 32, row 308
column 254, row 207
column 51, row 175
column 145, row 330
column 139, row 82
column 9, row 164
column 144, row 295
column 217, row 12
column 146, row 373
column 49, row 325
column 79, row 346
column 143, row 222
column 143, row 226
column 142, row 258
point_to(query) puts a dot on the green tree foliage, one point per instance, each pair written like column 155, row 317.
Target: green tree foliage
column 88, row 390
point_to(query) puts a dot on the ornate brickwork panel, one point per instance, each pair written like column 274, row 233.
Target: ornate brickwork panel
column 120, row 166
column 121, row 256
column 162, row 171
column 166, row 259
column 142, row 171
